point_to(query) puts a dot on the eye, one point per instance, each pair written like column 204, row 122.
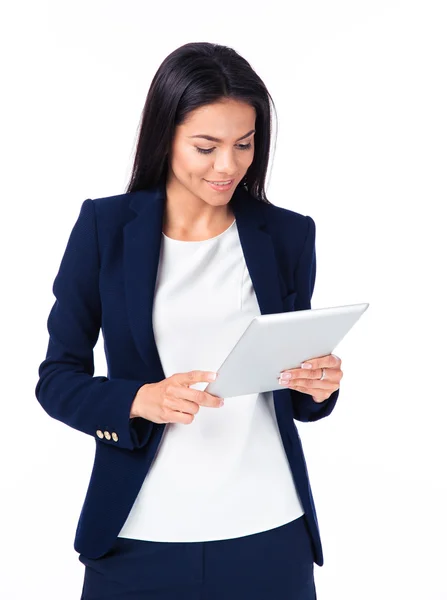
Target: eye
column 209, row 150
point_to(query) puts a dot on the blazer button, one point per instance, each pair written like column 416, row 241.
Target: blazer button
column 107, row 435
column 114, row 437
column 99, row 433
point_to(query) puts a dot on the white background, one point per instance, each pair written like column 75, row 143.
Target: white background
column 360, row 92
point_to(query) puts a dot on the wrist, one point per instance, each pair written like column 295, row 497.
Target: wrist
column 135, row 407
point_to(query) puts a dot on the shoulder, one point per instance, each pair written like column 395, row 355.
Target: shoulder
column 288, row 221
column 111, row 215
column 112, row 208
column 286, row 215
column 277, row 216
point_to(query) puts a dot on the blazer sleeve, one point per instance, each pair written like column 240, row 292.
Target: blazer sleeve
column 304, row 406
column 67, row 389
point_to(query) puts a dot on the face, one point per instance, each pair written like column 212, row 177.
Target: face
column 195, row 160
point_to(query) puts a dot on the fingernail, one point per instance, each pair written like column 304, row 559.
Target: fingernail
column 221, row 403
column 286, row 375
column 306, row 366
column 212, row 376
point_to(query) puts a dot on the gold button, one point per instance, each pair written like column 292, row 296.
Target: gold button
column 99, row 433
column 114, row 437
column 107, row 435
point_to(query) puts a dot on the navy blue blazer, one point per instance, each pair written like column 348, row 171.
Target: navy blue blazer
column 106, row 280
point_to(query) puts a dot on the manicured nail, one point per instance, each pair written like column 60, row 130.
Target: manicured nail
column 286, row 375
column 306, row 365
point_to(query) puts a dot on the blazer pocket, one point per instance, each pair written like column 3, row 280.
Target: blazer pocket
column 289, row 301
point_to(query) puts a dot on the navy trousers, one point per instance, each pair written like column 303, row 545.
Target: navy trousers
column 271, row 565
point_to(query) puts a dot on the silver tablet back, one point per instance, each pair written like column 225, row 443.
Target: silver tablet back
column 273, row 343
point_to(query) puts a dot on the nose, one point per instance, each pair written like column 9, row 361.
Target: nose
column 225, row 162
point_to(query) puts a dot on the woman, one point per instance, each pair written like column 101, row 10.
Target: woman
column 189, row 497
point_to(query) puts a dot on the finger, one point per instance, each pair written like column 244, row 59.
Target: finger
column 337, row 362
column 175, row 416
column 305, row 374
column 310, row 388
column 307, row 371
column 197, row 396
column 192, row 377
column 182, row 405
column 330, row 375
column 329, row 361
column 312, row 384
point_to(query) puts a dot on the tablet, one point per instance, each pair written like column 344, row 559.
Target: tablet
column 276, row 342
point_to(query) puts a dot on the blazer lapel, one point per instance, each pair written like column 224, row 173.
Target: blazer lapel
column 142, row 240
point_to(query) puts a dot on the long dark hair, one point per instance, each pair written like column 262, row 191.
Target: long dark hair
column 191, row 76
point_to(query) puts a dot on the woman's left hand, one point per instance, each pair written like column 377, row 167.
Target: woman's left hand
column 306, row 378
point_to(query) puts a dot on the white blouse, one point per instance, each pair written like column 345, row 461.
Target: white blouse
column 226, row 474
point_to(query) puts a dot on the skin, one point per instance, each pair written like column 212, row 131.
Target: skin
column 305, row 378
column 194, row 211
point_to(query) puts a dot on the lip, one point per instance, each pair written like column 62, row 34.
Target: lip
column 220, row 188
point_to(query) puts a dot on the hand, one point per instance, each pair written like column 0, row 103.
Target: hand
column 171, row 400
column 307, row 379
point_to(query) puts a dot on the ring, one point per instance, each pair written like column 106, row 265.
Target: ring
column 323, row 373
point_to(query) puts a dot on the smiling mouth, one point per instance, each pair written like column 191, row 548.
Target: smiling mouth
column 220, row 181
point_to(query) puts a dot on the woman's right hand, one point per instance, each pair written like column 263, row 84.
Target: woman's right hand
column 171, row 400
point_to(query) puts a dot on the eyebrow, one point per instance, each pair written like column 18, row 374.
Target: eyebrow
column 214, row 139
